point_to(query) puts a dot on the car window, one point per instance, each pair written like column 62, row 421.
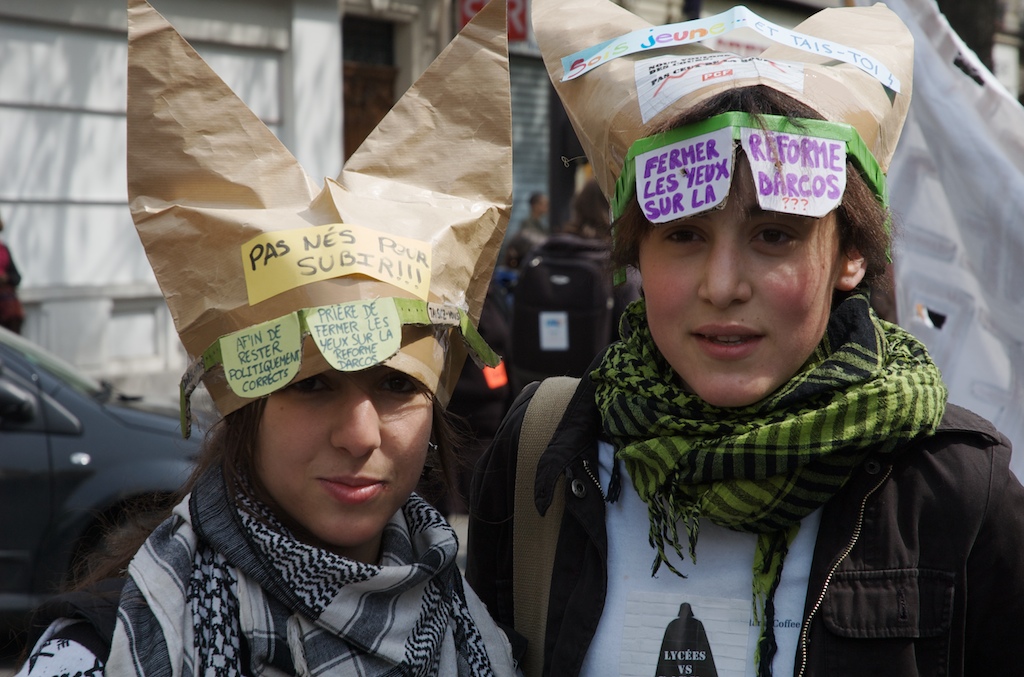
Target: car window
column 52, row 364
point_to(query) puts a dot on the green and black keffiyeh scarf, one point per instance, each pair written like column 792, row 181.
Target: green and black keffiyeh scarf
column 869, row 387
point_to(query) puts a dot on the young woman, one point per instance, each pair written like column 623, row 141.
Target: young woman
column 761, row 477
column 299, row 547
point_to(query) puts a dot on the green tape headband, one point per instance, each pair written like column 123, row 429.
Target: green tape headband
column 351, row 336
column 737, row 127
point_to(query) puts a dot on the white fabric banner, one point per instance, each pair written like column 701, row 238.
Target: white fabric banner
column 957, row 187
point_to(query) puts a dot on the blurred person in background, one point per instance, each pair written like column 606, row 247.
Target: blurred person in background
column 12, row 314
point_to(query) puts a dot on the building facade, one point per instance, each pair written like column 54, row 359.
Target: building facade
column 89, row 293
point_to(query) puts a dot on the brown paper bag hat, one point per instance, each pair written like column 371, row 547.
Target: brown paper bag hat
column 620, row 78
column 270, row 279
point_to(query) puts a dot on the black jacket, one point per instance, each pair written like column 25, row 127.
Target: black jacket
column 918, row 568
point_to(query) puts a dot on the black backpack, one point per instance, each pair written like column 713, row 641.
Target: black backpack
column 562, row 313
column 97, row 606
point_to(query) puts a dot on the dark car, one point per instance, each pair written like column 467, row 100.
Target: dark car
column 74, row 454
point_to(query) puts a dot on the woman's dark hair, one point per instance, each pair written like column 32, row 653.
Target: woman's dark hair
column 231, row 445
column 861, row 218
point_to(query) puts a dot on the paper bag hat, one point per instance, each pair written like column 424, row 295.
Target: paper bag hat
column 269, row 278
column 852, row 65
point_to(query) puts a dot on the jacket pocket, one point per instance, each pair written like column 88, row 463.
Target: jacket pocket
column 890, row 603
column 888, row 622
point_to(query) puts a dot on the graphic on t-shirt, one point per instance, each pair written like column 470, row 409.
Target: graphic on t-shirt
column 649, row 626
column 685, row 649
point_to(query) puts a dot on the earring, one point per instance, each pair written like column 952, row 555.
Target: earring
column 428, row 468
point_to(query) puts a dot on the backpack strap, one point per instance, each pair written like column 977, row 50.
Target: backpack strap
column 534, row 537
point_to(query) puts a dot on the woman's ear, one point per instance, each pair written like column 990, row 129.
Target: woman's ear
column 852, row 268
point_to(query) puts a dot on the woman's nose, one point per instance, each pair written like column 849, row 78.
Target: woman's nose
column 356, row 425
column 725, row 280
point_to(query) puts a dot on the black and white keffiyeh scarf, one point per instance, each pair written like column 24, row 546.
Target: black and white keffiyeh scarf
column 224, row 589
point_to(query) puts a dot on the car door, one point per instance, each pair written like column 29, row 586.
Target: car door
column 26, row 506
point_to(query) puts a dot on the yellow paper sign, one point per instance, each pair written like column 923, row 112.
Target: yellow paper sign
column 262, row 358
column 356, row 335
column 277, row 261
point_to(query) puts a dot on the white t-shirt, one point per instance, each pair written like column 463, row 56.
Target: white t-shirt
column 722, row 636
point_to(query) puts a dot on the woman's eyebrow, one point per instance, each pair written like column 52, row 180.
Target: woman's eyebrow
column 756, row 211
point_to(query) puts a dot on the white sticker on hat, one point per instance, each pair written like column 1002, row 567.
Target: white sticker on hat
column 688, row 32
column 796, row 174
column 686, row 177
column 663, row 80
column 356, row 335
column 262, row 358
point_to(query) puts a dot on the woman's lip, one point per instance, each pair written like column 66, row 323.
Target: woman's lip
column 351, row 480
column 352, row 490
column 727, row 338
column 728, row 345
column 712, row 331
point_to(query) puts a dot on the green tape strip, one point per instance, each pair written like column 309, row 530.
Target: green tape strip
column 410, row 311
column 863, row 160
column 414, row 311
column 477, row 345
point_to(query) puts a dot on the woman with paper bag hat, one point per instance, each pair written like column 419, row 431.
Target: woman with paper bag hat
column 329, row 327
column 758, row 445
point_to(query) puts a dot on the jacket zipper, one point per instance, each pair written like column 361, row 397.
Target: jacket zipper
column 593, row 478
column 805, row 631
